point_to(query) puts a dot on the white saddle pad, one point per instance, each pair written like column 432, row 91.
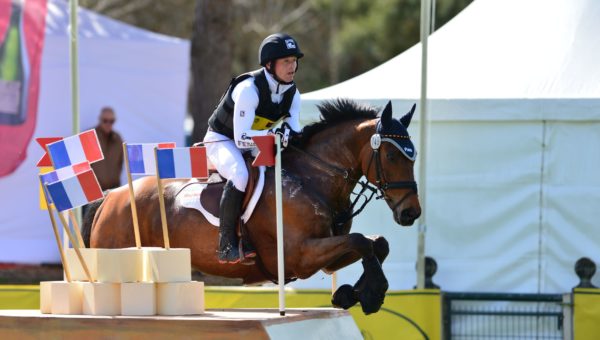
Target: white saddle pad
column 189, row 197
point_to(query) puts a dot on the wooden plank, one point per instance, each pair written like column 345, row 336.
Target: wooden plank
column 221, row 324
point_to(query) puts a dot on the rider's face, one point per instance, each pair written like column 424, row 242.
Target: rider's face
column 285, row 68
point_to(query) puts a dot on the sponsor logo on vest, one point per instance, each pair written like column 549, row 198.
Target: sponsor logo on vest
column 242, row 113
column 291, row 44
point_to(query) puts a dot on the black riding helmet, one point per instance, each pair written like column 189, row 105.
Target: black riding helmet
column 278, row 45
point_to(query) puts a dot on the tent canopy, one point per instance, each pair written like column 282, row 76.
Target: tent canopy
column 541, row 55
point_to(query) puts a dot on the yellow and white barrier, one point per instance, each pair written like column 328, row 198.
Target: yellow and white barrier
column 586, row 313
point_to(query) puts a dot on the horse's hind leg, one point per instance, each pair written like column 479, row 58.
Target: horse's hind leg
column 339, row 250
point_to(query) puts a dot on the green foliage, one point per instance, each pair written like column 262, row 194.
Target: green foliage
column 340, row 38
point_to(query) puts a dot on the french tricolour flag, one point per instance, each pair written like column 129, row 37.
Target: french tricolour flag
column 66, row 172
column 73, row 192
column 63, row 173
column 76, row 149
column 182, row 163
column 141, row 157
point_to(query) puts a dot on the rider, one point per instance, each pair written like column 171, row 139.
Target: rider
column 253, row 103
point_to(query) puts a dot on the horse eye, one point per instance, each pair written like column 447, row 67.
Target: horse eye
column 390, row 156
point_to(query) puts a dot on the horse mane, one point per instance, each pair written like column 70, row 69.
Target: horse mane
column 334, row 112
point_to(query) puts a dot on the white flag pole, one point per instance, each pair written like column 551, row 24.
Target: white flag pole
column 74, row 62
column 279, row 213
column 423, row 129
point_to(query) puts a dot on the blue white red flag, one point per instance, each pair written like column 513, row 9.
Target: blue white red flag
column 182, row 163
column 76, row 149
column 141, row 157
column 73, row 192
column 66, row 172
column 63, row 173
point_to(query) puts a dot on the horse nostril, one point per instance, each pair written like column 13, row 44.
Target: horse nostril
column 409, row 214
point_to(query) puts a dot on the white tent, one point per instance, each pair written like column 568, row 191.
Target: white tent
column 514, row 149
column 142, row 75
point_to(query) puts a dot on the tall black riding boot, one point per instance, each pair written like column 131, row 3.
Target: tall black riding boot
column 229, row 214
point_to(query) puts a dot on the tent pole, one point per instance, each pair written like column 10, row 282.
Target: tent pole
column 74, row 62
column 423, row 129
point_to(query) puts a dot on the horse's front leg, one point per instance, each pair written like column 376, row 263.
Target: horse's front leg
column 380, row 247
column 333, row 252
column 347, row 295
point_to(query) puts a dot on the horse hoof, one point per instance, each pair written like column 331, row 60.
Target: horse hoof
column 344, row 297
column 371, row 299
column 370, row 307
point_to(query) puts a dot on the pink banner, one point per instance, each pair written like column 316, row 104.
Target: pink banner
column 22, row 27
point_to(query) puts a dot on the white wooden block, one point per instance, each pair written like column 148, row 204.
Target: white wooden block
column 107, row 265
column 65, row 297
column 138, row 298
column 75, row 267
column 46, row 297
column 180, row 298
column 120, row 265
column 101, row 298
column 173, row 265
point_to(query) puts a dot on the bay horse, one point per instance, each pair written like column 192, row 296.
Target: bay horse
column 320, row 171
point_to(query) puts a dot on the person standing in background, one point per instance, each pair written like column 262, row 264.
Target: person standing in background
column 108, row 170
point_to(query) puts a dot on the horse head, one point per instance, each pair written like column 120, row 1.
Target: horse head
column 391, row 165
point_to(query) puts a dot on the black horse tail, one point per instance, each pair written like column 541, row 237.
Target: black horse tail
column 88, row 220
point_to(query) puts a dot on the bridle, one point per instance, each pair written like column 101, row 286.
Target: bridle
column 379, row 190
column 382, row 183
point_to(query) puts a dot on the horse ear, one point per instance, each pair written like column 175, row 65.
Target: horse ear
column 386, row 115
column 405, row 120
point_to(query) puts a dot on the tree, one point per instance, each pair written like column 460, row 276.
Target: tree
column 340, row 39
column 211, row 60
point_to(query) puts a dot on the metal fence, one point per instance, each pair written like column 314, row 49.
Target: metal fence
column 468, row 316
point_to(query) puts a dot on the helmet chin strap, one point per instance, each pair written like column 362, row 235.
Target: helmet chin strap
column 271, row 70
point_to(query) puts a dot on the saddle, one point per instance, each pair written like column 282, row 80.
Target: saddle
column 215, row 188
column 206, row 197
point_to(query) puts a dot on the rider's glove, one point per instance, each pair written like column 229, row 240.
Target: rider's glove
column 286, row 132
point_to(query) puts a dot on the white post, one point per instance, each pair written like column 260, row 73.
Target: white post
column 423, row 122
column 333, row 282
column 74, row 61
column 74, row 58
column 279, row 214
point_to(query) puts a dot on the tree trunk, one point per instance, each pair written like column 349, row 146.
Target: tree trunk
column 211, row 60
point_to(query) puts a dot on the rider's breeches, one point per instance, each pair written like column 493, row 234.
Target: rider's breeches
column 227, row 159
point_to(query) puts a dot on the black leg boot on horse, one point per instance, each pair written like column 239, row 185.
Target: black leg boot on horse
column 371, row 295
column 229, row 215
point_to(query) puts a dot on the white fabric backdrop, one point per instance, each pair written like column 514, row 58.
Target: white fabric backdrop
column 510, row 209
column 514, row 149
column 142, row 75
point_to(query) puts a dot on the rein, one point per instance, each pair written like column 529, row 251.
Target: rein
column 332, row 169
